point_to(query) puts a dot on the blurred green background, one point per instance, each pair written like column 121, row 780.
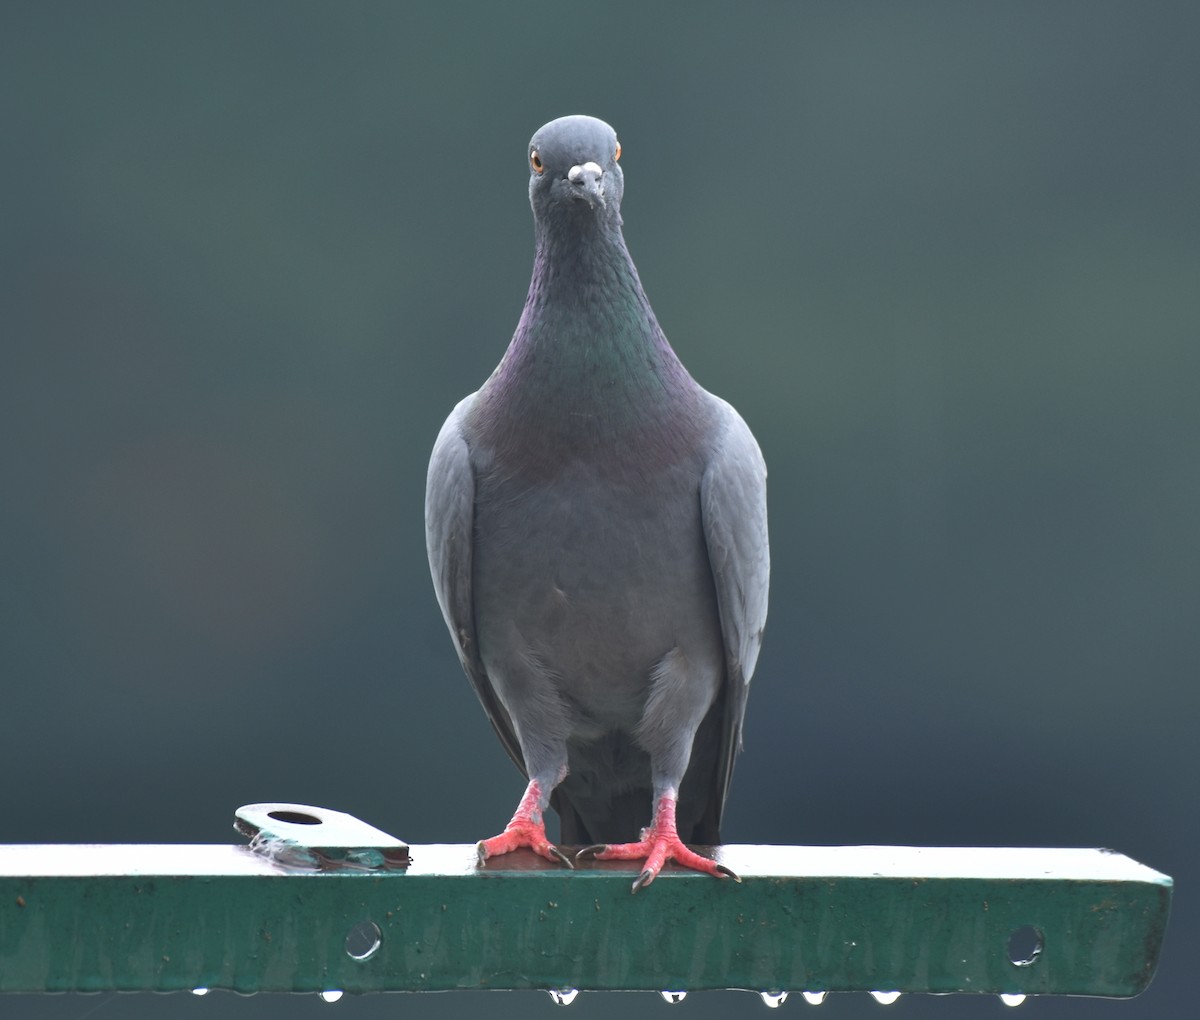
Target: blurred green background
column 943, row 257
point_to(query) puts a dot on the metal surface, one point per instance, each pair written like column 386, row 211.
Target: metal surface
column 161, row 918
column 316, row 838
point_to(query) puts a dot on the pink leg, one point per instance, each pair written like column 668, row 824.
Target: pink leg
column 659, row 843
column 527, row 828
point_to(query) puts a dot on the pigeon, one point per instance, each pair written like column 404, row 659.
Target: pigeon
column 597, row 534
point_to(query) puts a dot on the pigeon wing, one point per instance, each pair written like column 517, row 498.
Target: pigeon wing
column 449, row 541
column 733, row 507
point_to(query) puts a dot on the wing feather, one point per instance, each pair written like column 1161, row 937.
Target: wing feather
column 449, row 541
column 733, row 504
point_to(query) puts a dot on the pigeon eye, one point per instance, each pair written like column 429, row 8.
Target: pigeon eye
column 535, row 161
column 617, row 154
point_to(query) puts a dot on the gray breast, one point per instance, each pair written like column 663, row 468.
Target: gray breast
column 588, row 581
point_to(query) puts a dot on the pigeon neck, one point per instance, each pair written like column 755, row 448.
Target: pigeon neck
column 586, row 313
column 588, row 364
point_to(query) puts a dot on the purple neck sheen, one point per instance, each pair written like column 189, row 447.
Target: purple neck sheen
column 587, row 333
column 589, row 373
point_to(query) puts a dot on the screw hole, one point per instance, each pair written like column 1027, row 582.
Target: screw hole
column 363, row 940
column 295, row 817
column 1025, row 945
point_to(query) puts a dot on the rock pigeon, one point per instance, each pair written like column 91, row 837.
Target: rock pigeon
column 597, row 533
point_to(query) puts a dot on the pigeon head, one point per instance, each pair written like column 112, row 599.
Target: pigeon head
column 573, row 171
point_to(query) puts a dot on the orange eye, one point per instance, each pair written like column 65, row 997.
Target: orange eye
column 617, row 154
column 535, row 161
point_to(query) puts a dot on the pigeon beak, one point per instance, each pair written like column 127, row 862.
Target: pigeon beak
column 588, row 180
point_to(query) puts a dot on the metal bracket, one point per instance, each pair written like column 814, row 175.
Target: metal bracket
column 318, row 839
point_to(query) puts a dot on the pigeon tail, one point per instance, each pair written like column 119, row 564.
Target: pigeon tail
column 615, row 818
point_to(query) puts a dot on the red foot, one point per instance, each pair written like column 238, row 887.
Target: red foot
column 527, row 828
column 659, row 843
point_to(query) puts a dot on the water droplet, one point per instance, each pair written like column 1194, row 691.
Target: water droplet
column 673, row 997
column 199, row 991
column 773, row 999
column 814, row 998
column 332, row 995
column 885, row 998
column 363, row 940
column 563, row 996
column 1011, row 999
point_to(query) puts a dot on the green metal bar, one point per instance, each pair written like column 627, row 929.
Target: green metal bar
column 174, row 917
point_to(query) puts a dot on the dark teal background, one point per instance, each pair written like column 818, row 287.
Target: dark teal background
column 943, row 257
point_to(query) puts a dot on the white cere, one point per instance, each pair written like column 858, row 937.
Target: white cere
column 589, row 167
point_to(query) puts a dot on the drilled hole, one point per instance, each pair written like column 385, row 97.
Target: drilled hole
column 1025, row 945
column 363, row 940
column 295, row 817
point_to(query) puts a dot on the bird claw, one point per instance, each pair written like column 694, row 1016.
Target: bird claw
column 563, row 858
column 655, row 849
column 521, row 834
column 688, row 859
column 527, row 828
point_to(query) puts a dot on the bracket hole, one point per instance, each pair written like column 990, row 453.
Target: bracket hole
column 363, row 940
column 1025, row 945
column 295, row 817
